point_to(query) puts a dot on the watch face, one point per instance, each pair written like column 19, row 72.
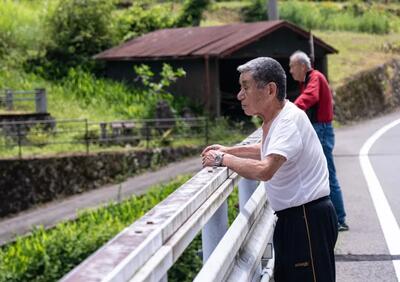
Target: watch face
column 218, row 159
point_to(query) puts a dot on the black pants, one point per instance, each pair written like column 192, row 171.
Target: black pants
column 304, row 241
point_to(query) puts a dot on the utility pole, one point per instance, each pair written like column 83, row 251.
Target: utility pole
column 272, row 8
column 312, row 52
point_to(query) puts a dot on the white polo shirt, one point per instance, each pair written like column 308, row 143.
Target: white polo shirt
column 304, row 175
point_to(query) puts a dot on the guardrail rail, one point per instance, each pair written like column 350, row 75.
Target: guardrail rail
column 148, row 248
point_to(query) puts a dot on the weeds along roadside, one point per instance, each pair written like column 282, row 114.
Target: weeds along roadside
column 47, row 255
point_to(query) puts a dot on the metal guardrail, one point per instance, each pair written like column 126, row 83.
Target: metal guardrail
column 146, row 250
column 12, row 97
column 89, row 134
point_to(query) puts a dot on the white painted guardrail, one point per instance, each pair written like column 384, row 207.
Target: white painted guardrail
column 148, row 248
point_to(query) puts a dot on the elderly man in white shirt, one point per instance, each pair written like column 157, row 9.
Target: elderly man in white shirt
column 291, row 162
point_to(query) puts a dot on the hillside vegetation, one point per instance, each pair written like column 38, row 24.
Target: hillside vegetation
column 357, row 52
column 50, row 43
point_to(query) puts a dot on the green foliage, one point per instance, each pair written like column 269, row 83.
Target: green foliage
column 79, row 29
column 256, row 121
column 21, row 30
column 47, row 255
column 155, row 91
column 189, row 264
column 94, row 92
column 328, row 16
column 141, row 19
column 222, row 130
column 144, row 17
column 192, row 12
column 121, row 99
column 257, row 11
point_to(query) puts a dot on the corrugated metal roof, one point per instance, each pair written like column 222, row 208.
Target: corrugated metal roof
column 199, row 41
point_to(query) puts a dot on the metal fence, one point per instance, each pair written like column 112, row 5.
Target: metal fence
column 22, row 100
column 84, row 135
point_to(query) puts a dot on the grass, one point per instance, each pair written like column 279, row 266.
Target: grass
column 69, row 136
column 60, row 101
column 357, row 52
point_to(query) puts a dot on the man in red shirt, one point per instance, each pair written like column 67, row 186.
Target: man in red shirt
column 316, row 100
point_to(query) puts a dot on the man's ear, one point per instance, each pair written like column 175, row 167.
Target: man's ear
column 273, row 88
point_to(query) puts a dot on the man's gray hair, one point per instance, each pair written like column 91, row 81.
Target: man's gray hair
column 265, row 70
column 302, row 58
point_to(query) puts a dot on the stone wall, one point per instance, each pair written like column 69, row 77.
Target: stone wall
column 369, row 93
column 25, row 183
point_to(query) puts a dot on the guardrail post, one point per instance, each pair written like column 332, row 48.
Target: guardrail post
column 103, row 132
column 19, row 141
column 246, row 189
column 9, row 100
column 214, row 230
column 40, row 100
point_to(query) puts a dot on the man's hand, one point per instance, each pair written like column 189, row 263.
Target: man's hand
column 209, row 157
column 215, row 147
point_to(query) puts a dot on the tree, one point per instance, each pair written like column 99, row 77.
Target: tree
column 79, row 29
column 192, row 12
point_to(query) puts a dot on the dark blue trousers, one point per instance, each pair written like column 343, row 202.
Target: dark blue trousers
column 326, row 136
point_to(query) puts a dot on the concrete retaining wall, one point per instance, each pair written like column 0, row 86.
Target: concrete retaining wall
column 369, row 93
column 27, row 182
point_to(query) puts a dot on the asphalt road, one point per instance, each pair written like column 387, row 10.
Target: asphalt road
column 363, row 253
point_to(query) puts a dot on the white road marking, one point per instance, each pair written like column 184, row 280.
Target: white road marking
column 387, row 220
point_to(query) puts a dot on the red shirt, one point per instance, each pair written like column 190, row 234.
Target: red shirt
column 315, row 97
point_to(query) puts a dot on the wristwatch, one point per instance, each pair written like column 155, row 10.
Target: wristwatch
column 219, row 158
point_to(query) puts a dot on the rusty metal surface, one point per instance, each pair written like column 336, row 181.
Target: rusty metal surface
column 199, row 41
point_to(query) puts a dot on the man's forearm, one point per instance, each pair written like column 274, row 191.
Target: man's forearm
column 245, row 151
column 254, row 169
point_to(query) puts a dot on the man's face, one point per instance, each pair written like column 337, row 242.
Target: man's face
column 251, row 97
column 297, row 70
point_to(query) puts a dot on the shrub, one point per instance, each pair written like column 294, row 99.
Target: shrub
column 155, row 91
column 192, row 12
column 257, row 11
column 21, row 30
column 79, row 29
column 95, row 92
column 141, row 18
column 223, row 131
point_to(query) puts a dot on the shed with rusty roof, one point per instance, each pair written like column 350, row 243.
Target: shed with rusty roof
column 210, row 56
